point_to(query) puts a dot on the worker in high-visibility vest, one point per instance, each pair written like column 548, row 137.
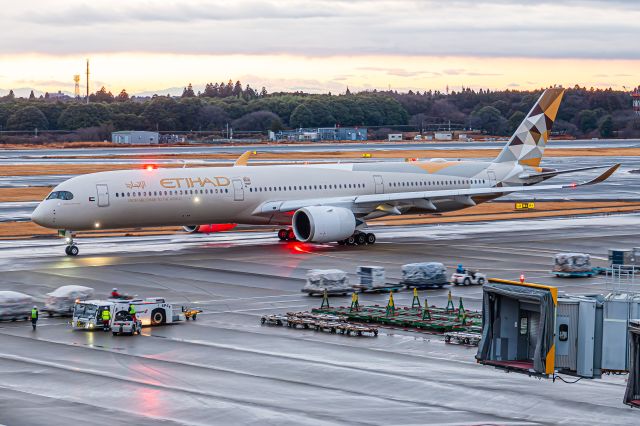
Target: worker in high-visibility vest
column 132, row 312
column 34, row 317
column 106, row 318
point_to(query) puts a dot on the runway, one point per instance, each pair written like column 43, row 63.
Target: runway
column 30, row 155
column 227, row 368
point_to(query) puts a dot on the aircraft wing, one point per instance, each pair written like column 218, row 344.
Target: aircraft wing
column 419, row 198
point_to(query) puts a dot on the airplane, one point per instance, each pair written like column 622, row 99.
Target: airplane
column 317, row 203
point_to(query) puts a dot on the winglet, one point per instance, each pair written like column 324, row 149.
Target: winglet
column 242, row 160
column 604, row 176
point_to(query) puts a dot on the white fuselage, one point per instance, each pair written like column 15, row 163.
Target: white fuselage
column 241, row 194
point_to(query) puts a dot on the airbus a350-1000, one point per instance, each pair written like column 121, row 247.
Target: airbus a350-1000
column 313, row 203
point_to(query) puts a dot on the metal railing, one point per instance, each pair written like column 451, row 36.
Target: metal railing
column 623, row 279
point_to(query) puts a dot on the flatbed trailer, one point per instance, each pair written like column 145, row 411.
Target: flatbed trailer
column 321, row 291
column 424, row 285
column 386, row 289
column 441, row 320
column 462, row 337
column 581, row 274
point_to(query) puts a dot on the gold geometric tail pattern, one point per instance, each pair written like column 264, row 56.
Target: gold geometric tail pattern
column 526, row 146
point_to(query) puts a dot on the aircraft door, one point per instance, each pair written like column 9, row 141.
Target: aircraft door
column 103, row 195
column 238, row 190
column 377, row 179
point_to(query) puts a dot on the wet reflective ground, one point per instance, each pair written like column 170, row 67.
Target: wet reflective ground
column 226, row 368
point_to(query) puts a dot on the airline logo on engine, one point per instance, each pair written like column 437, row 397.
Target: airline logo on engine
column 175, row 183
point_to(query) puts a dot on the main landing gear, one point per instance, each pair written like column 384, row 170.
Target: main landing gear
column 359, row 238
column 71, row 249
column 286, row 235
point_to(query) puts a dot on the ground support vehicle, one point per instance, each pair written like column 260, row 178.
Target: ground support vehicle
column 463, row 338
column 123, row 323
column 190, row 313
column 468, row 277
column 15, row 306
column 424, row 275
column 151, row 312
column 274, row 319
column 62, row 300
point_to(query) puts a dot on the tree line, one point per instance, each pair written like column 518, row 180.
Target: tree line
column 583, row 113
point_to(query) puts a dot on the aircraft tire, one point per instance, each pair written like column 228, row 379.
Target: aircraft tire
column 361, row 239
column 371, row 238
column 282, row 234
column 351, row 241
column 72, row 250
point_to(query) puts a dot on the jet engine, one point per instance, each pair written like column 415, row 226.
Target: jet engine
column 323, row 224
column 208, row 229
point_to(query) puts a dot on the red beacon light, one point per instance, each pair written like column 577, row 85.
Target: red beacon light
column 150, row 167
column 521, row 278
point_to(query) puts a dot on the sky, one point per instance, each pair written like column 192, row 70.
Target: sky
column 319, row 46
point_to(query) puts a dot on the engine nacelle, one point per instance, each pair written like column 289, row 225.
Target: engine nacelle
column 208, row 229
column 323, row 224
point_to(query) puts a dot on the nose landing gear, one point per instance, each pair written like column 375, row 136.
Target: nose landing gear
column 71, row 249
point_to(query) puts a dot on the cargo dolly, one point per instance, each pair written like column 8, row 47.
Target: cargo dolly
column 321, row 291
column 462, row 337
column 274, row 319
column 386, row 289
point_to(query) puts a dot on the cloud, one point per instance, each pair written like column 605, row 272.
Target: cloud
column 320, row 28
column 400, row 72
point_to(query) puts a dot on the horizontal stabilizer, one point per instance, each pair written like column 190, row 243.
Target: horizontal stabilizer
column 553, row 173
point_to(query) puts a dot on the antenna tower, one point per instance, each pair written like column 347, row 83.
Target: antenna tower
column 76, row 90
column 87, row 81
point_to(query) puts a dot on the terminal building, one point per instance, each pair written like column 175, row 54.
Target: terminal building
column 133, row 137
column 320, row 134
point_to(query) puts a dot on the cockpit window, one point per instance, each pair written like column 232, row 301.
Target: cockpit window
column 60, row 195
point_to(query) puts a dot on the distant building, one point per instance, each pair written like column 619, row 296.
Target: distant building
column 133, row 137
column 321, row 134
column 395, row 137
column 58, row 96
column 443, row 136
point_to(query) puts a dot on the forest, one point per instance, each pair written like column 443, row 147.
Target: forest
column 584, row 113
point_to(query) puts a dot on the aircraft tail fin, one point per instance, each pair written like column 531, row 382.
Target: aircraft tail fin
column 527, row 144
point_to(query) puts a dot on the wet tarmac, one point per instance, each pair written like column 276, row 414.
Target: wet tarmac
column 228, row 369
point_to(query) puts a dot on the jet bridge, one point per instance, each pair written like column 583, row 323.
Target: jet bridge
column 529, row 328
column 632, row 394
column 518, row 323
